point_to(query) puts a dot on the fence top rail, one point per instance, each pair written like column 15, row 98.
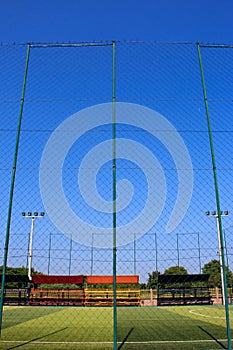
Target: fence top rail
column 110, row 43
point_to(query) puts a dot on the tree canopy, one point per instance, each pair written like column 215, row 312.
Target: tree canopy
column 15, row 270
column 176, row 270
column 152, row 281
column 213, row 268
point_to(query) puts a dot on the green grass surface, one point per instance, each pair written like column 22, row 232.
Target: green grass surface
column 183, row 328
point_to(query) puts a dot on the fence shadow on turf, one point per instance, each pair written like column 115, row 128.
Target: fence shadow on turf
column 35, row 339
column 125, row 339
column 216, row 340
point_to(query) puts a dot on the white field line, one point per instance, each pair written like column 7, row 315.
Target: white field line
column 203, row 315
column 109, row 342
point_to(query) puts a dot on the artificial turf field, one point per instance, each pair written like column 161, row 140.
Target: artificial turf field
column 178, row 327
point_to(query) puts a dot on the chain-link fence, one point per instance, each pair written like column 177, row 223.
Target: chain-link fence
column 116, row 195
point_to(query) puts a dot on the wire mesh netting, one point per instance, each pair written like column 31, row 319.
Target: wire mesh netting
column 116, row 200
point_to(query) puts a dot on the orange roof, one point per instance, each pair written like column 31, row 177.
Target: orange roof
column 109, row 279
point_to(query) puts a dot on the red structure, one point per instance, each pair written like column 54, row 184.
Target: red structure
column 109, row 279
column 47, row 279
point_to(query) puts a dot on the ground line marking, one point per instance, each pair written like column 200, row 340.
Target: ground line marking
column 208, row 316
column 119, row 342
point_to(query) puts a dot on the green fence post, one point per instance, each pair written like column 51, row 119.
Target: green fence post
column 114, row 193
column 217, row 197
column 7, row 238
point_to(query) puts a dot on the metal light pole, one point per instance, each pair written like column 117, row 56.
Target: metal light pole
column 214, row 214
column 31, row 216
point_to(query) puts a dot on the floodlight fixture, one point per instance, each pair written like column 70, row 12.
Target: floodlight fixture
column 214, row 213
column 33, row 215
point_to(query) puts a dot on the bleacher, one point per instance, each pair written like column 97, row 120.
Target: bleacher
column 58, row 296
column 183, row 289
column 72, row 290
column 105, row 296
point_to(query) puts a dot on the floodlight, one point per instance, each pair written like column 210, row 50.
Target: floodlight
column 36, row 213
column 207, row 213
column 226, row 212
column 213, row 212
column 42, row 213
column 23, row 213
column 221, row 212
column 29, row 213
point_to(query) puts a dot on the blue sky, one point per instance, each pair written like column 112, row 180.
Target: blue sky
column 76, row 20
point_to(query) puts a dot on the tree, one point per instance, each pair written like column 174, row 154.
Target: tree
column 176, row 270
column 19, row 271
column 153, row 279
column 15, row 270
column 213, row 268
